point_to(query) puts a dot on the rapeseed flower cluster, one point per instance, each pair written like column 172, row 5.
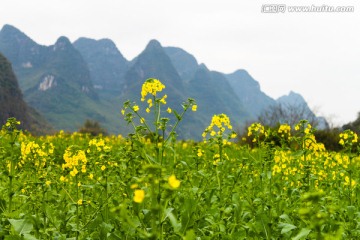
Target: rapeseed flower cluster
column 151, row 86
column 310, row 143
column 303, row 126
column 219, row 124
column 348, row 137
column 99, row 145
column 74, row 160
column 98, row 151
column 256, row 130
column 35, row 154
column 285, row 131
column 173, row 182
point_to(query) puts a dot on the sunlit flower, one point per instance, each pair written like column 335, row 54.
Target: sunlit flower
column 74, row 172
column 139, row 195
column 136, row 108
column 163, row 99
column 149, row 101
column 194, row 108
column 151, row 86
column 133, row 186
column 173, row 182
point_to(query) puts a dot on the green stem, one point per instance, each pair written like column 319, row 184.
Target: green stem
column 11, row 177
column 350, row 176
column 44, row 207
column 176, row 124
column 106, row 197
column 77, row 208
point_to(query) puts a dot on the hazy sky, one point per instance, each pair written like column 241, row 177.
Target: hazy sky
column 316, row 54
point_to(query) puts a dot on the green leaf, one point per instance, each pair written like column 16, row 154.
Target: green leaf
column 29, row 237
column 286, row 227
column 12, row 237
column 302, row 234
column 175, row 224
column 21, row 226
column 178, row 117
column 190, row 235
column 286, row 218
column 2, row 205
column 269, row 174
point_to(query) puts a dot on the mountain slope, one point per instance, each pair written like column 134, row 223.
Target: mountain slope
column 249, row 92
column 106, row 64
column 12, row 103
column 59, row 80
column 185, row 63
column 296, row 106
column 55, row 79
column 19, row 49
column 215, row 95
column 154, row 63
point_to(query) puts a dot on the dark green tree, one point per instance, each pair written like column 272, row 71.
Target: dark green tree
column 93, row 128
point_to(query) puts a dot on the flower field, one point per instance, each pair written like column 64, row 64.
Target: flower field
column 148, row 185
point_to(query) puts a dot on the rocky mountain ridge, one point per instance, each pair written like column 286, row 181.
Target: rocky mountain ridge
column 89, row 79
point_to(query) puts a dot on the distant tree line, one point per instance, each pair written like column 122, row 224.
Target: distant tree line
column 275, row 115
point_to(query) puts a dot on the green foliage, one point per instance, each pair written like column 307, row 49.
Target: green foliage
column 330, row 138
column 353, row 126
column 93, row 128
column 151, row 186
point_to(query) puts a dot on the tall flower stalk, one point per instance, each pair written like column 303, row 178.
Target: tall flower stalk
column 157, row 129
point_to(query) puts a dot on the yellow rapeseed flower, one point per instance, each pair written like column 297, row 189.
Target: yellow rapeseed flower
column 194, row 108
column 80, row 202
column 139, row 195
column 149, row 101
column 200, row 152
column 74, row 172
column 163, row 99
column 133, row 186
column 136, row 108
column 173, row 182
column 151, row 86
